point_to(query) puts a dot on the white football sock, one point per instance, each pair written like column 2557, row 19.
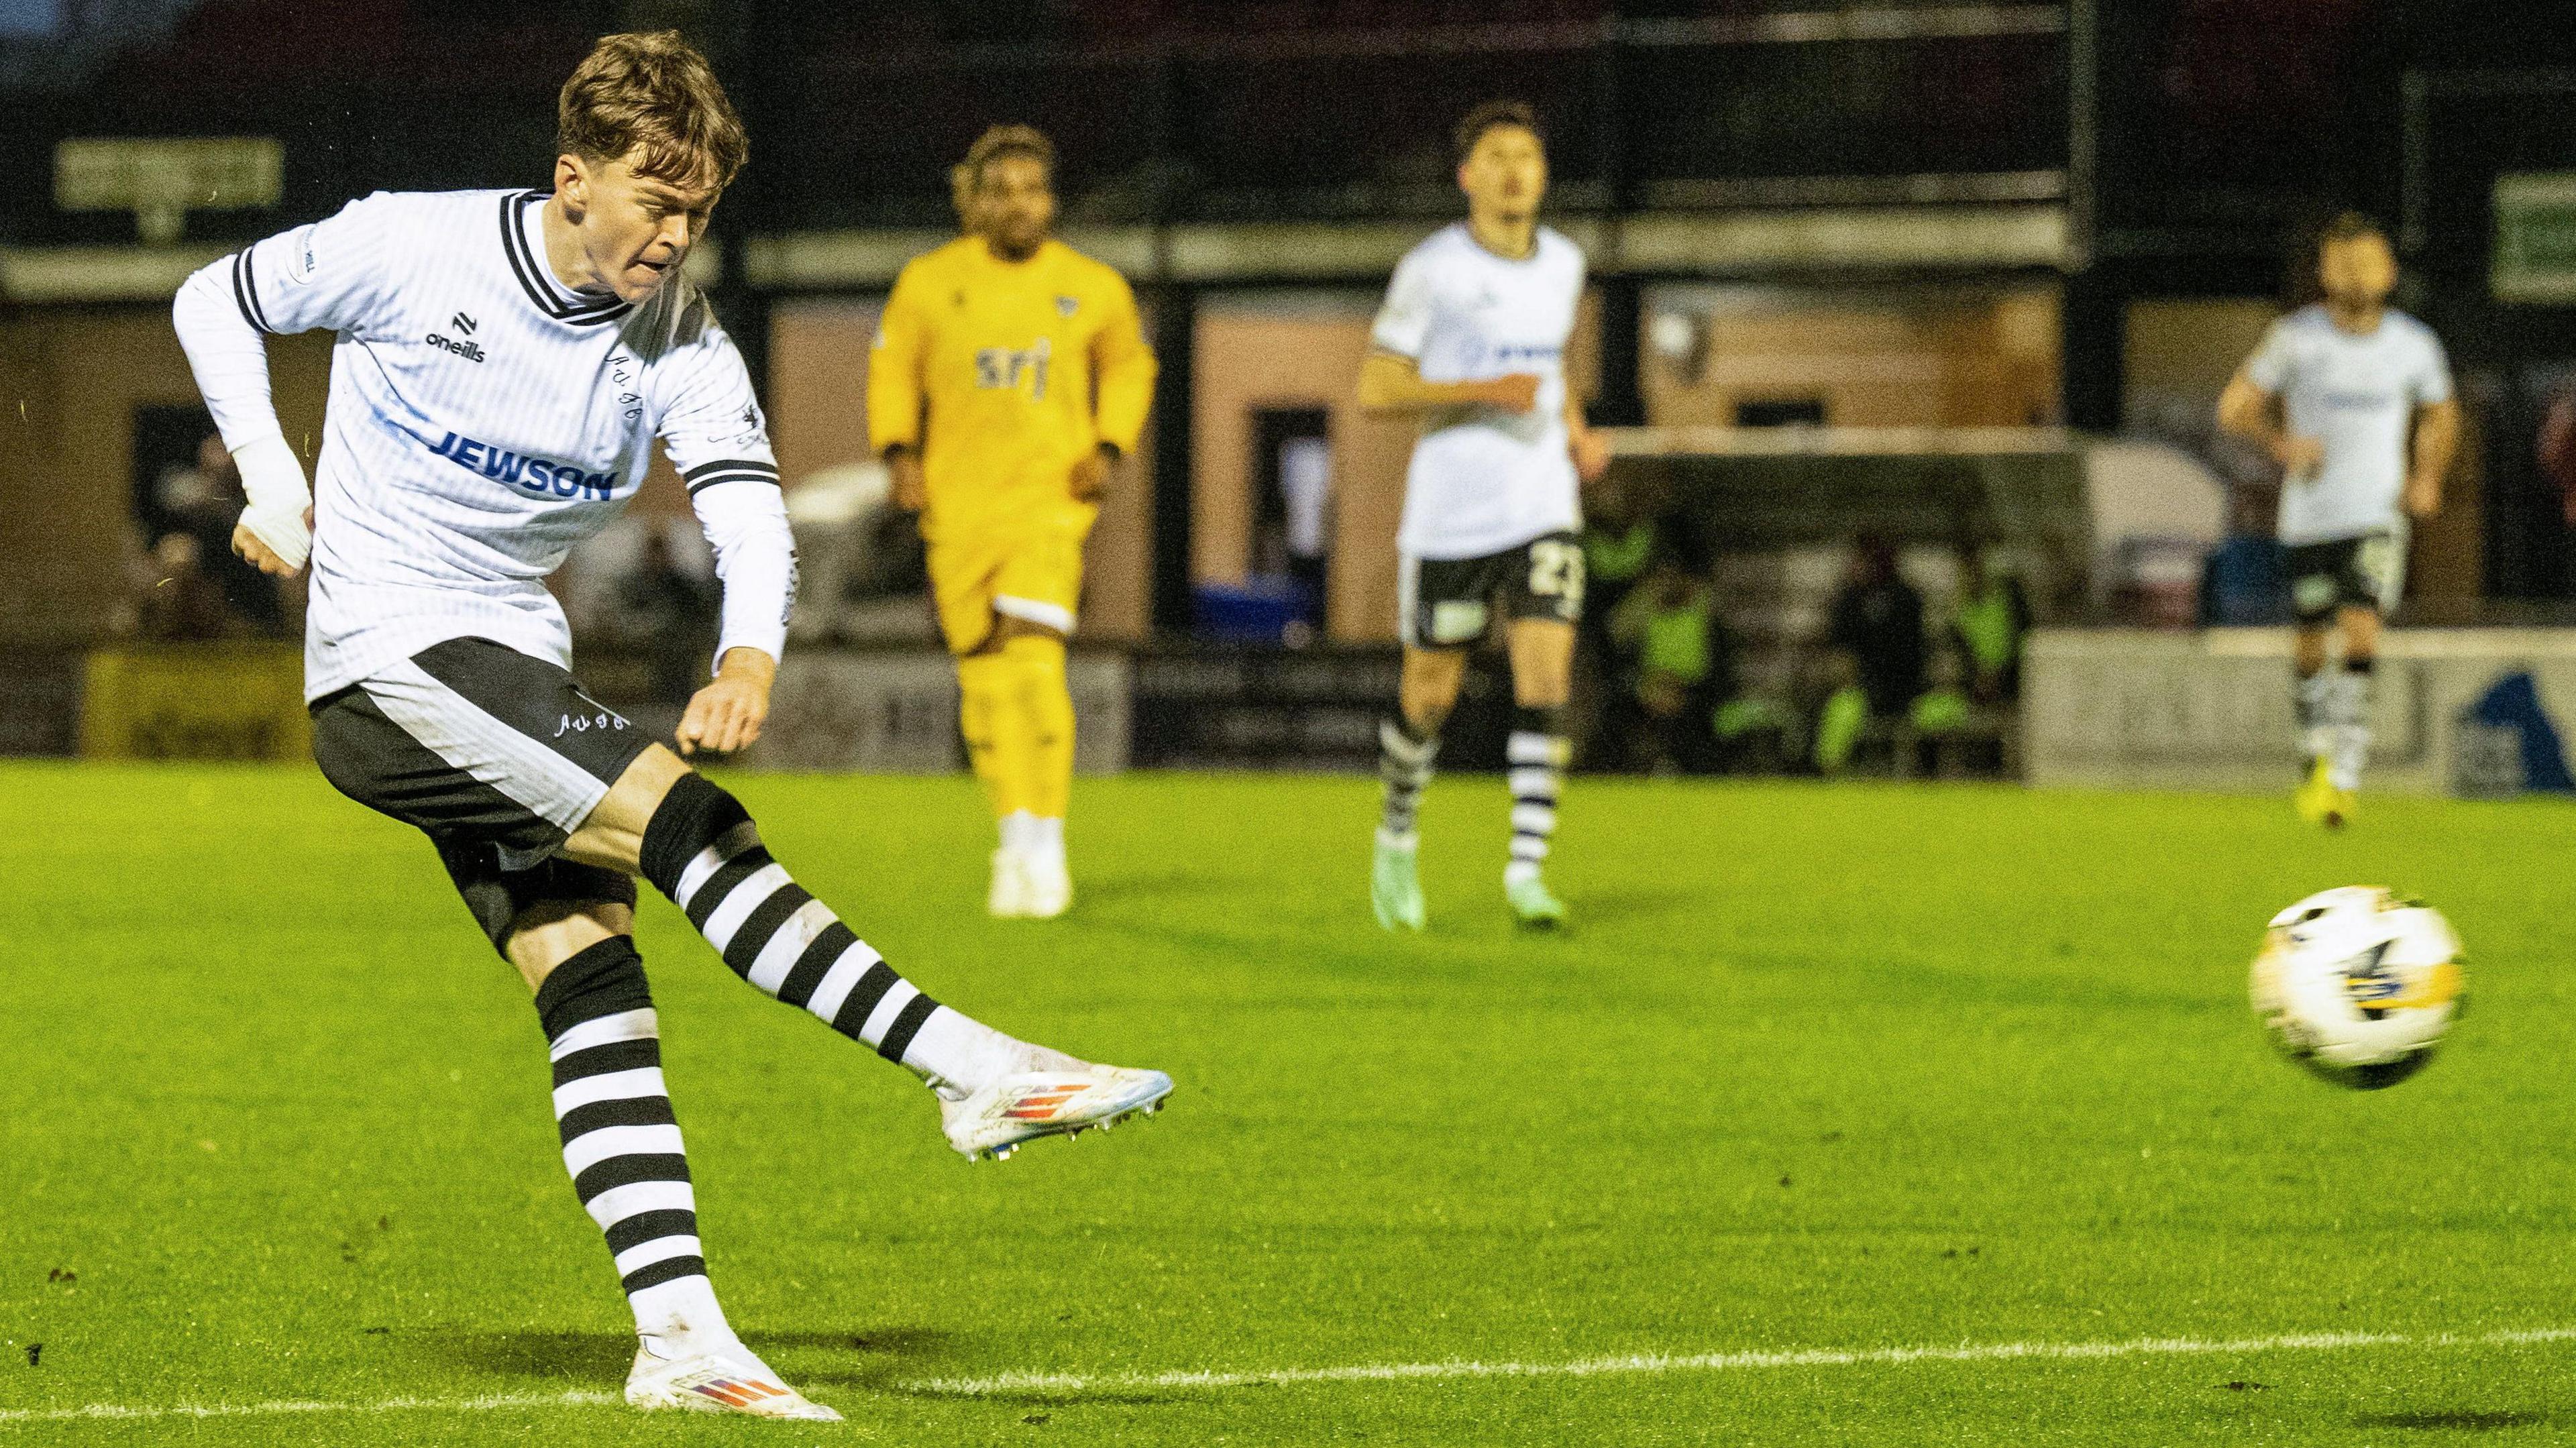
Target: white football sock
column 958, row 1054
column 2351, row 714
column 680, row 1317
column 2314, row 698
column 1019, row 828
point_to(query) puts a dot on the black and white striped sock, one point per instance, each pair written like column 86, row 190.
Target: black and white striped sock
column 2313, row 700
column 1536, row 753
column 622, row 1144
column 1404, row 761
column 702, row 850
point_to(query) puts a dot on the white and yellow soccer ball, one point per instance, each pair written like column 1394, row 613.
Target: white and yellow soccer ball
column 2358, row 985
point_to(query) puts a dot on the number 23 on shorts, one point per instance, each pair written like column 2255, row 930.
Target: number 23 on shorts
column 1556, row 570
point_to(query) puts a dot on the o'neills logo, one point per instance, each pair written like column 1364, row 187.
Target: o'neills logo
column 470, row 351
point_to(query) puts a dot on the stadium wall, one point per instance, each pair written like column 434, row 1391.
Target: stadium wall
column 2210, row 711
column 840, row 710
column 71, row 379
column 1254, row 352
column 1893, row 355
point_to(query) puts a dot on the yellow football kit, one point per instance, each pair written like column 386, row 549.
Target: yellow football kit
column 1005, row 375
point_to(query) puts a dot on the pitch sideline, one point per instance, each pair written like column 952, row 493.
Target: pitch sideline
column 1073, row 1385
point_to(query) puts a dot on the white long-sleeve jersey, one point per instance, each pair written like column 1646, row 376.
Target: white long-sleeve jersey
column 483, row 419
column 1483, row 480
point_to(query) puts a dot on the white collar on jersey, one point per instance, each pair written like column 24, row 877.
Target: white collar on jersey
column 523, row 242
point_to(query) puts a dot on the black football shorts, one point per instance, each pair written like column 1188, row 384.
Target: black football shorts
column 496, row 755
column 1449, row 603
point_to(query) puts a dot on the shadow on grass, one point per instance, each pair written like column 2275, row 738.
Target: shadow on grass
column 2452, row 1422
column 1633, row 904
column 856, row 1359
column 1166, row 888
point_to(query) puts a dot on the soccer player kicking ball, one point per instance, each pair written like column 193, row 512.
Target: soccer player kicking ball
column 1471, row 340
column 505, row 360
column 2353, row 399
column 1008, row 374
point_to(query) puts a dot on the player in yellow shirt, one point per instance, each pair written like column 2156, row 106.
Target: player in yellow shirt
column 1009, row 373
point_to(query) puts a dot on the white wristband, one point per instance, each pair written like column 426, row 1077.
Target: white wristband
column 273, row 480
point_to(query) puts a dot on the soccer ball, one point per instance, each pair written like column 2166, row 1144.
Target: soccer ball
column 2358, row 985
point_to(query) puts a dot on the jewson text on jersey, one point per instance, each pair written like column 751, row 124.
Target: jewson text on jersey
column 535, row 476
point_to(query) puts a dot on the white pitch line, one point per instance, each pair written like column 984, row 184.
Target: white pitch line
column 1649, row 1363
column 487, row 1403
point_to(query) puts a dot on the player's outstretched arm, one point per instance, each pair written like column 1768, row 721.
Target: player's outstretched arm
column 719, row 442
column 2251, row 411
column 327, row 276
column 1126, row 368
column 745, row 519
column 727, row 715
column 2437, row 440
column 1390, row 383
column 1391, row 379
column 1589, row 449
column 229, row 356
column 895, row 393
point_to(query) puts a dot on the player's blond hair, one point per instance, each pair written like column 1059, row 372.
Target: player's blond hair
column 650, row 94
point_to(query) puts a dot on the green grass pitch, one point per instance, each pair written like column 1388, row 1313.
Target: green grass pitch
column 1819, row 1069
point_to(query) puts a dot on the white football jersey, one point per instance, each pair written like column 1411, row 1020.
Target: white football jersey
column 483, row 419
column 2358, row 396
column 1484, row 480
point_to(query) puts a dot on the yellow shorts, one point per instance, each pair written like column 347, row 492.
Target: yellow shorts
column 1030, row 571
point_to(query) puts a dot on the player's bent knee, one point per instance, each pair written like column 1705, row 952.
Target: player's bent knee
column 1428, row 708
column 695, row 817
column 604, row 979
column 506, row 902
column 552, row 932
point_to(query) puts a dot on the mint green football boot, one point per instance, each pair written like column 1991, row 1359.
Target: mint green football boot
column 1533, row 904
column 1395, row 885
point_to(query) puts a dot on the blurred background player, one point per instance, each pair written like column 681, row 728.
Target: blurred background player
column 1471, row 340
column 1009, row 374
column 2353, row 399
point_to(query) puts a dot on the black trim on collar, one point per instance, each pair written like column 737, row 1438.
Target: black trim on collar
column 540, row 287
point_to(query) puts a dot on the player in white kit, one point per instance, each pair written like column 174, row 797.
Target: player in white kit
column 1471, row 341
column 2353, row 399
column 505, row 361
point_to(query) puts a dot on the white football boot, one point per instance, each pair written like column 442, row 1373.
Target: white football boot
column 727, row 1379
column 1047, row 1093
column 1008, row 899
column 1048, row 884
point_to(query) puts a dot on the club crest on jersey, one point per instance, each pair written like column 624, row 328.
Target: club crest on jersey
column 537, row 477
column 1066, row 306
